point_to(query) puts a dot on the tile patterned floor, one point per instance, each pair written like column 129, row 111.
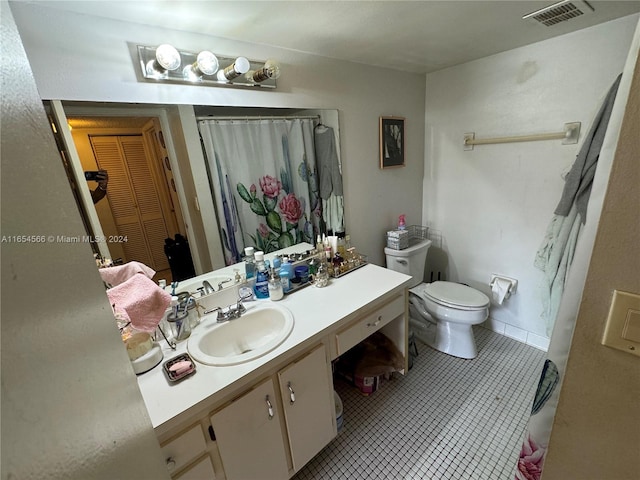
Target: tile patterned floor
column 448, row 419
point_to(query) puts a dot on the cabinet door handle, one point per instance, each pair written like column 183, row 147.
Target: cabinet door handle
column 171, row 463
column 375, row 324
column 269, row 408
column 292, row 394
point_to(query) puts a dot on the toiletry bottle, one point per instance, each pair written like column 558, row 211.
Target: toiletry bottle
column 342, row 249
column 401, row 222
column 249, row 262
column 327, row 253
column 313, row 268
column 261, row 287
column 275, row 286
column 286, row 273
column 284, row 279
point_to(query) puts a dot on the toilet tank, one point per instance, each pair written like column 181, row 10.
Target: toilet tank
column 410, row 261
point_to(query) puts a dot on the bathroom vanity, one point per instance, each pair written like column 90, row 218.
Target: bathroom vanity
column 267, row 417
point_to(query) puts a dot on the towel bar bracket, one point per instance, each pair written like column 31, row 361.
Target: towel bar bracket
column 569, row 136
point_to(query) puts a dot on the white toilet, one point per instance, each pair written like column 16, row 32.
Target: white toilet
column 441, row 313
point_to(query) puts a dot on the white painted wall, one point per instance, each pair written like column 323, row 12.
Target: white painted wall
column 75, row 57
column 71, row 407
column 492, row 205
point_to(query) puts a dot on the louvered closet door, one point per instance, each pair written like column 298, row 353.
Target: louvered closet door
column 149, row 207
column 133, row 198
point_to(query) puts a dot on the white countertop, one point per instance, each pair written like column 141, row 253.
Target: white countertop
column 314, row 310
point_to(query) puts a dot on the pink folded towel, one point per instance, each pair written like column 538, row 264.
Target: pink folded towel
column 142, row 300
column 117, row 275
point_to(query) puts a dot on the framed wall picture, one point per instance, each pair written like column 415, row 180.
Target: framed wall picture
column 391, row 142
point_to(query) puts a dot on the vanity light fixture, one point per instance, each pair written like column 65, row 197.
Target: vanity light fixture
column 166, row 59
column 206, row 64
column 161, row 64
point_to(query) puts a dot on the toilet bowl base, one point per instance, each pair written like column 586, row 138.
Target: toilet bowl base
column 453, row 339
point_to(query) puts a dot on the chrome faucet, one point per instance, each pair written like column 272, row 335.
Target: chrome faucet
column 207, row 288
column 229, row 312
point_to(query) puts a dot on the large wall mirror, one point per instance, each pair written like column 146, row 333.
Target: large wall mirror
column 188, row 187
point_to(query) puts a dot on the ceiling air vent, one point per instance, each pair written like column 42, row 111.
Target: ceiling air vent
column 560, row 12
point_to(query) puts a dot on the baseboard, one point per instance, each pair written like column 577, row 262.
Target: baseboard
column 519, row 334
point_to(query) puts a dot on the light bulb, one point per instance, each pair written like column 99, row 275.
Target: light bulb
column 206, row 64
column 271, row 69
column 167, row 59
column 237, row 68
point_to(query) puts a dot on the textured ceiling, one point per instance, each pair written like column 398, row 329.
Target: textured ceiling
column 412, row 36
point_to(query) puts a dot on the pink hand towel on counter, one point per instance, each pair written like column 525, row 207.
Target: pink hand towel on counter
column 142, row 300
column 120, row 274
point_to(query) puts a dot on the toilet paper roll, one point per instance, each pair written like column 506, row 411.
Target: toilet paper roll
column 500, row 290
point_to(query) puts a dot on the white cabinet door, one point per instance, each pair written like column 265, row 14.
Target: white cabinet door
column 249, row 436
column 307, row 396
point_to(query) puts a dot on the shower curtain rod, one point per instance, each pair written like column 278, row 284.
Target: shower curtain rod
column 568, row 136
column 282, row 117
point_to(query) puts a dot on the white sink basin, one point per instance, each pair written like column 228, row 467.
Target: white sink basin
column 258, row 331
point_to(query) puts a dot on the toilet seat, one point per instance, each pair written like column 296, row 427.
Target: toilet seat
column 455, row 295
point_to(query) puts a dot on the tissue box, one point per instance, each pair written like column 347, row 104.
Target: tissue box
column 398, row 239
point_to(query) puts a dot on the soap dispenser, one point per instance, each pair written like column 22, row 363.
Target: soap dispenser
column 275, row 286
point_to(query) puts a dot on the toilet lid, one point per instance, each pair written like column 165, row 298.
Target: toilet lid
column 455, row 295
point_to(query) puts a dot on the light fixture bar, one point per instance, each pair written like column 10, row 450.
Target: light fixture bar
column 188, row 72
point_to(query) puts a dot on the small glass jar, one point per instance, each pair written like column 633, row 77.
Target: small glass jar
column 302, row 272
column 180, row 325
column 322, row 276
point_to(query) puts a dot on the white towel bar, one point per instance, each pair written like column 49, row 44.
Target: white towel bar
column 568, row 136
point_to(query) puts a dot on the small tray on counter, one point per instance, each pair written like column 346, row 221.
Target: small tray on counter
column 177, row 375
column 342, row 274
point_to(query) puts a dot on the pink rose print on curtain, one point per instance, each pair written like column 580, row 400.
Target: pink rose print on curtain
column 291, row 209
column 283, row 212
column 270, row 186
column 531, row 460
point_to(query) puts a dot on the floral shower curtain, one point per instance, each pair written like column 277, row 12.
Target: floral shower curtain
column 263, row 177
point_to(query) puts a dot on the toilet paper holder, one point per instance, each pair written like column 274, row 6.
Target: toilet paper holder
column 513, row 283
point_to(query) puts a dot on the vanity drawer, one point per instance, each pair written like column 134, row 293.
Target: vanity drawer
column 184, row 448
column 362, row 328
column 203, row 469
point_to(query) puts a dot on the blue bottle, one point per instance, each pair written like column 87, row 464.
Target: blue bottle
column 261, row 287
column 249, row 262
column 286, row 272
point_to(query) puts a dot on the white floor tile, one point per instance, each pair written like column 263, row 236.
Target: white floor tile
column 449, row 418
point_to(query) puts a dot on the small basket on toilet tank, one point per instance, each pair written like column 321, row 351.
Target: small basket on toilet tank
column 401, row 239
